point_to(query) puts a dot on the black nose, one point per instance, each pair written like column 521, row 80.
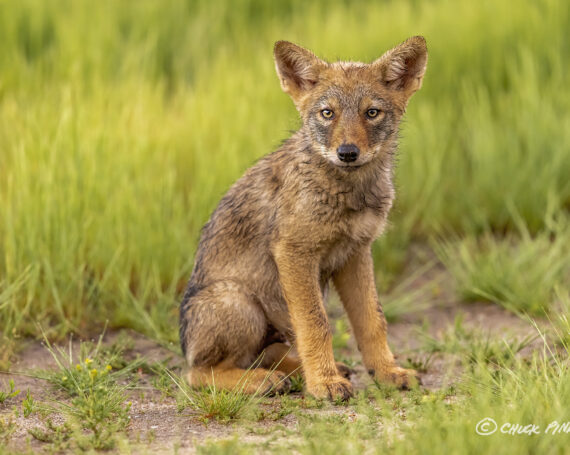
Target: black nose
column 348, row 153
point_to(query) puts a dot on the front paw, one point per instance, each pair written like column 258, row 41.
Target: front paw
column 336, row 389
column 400, row 377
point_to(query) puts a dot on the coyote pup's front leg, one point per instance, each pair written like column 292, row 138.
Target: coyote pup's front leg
column 298, row 275
column 357, row 290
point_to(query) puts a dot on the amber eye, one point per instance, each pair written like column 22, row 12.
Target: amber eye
column 327, row 113
column 371, row 113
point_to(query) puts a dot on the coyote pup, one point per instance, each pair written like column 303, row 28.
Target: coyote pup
column 301, row 217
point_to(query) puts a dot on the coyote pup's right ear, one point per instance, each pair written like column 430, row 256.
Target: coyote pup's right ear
column 403, row 67
column 298, row 69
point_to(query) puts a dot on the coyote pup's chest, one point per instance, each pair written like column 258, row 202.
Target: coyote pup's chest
column 366, row 225
column 362, row 228
column 351, row 215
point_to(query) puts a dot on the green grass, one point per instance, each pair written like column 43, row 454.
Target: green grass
column 122, row 124
column 519, row 272
column 561, row 320
column 529, row 389
column 97, row 411
column 7, row 429
column 58, row 436
column 476, row 346
column 29, row 405
column 93, row 367
column 11, row 392
column 212, row 402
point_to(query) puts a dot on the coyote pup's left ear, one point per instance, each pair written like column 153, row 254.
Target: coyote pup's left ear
column 403, row 67
column 298, row 69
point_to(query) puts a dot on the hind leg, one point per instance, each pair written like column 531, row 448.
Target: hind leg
column 252, row 381
column 222, row 332
column 281, row 357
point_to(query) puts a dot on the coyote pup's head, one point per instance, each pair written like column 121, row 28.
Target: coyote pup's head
column 351, row 109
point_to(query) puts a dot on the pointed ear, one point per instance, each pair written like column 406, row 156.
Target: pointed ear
column 298, row 69
column 403, row 67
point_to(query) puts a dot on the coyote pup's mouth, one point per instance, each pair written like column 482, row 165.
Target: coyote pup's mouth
column 350, row 167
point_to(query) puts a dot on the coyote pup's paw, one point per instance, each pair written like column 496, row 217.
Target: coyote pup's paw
column 400, row 377
column 336, row 389
column 277, row 383
column 344, row 370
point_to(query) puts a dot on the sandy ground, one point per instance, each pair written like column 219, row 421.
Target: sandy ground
column 157, row 427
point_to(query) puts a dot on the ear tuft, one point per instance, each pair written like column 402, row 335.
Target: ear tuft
column 298, row 69
column 403, row 67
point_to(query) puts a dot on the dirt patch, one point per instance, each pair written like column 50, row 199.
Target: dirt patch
column 156, row 425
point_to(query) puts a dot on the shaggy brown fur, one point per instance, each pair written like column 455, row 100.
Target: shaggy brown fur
column 301, row 217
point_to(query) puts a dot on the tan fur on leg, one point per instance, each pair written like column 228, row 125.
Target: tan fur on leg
column 298, row 274
column 282, row 357
column 368, row 321
column 255, row 381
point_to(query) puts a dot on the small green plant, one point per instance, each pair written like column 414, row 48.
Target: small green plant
column 57, row 435
column 297, row 383
column 99, row 404
column 114, row 354
column 216, row 403
column 7, row 429
column 11, row 393
column 72, row 375
column 28, row 404
column 419, row 362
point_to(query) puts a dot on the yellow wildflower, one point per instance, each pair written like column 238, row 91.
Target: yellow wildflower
column 429, row 398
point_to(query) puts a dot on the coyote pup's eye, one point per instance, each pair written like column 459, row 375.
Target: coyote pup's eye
column 371, row 113
column 327, row 113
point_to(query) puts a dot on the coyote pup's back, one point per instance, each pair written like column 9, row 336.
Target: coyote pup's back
column 301, row 217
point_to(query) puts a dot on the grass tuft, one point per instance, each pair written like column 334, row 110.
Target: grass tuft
column 216, row 403
column 10, row 393
column 518, row 272
column 475, row 345
column 98, row 404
